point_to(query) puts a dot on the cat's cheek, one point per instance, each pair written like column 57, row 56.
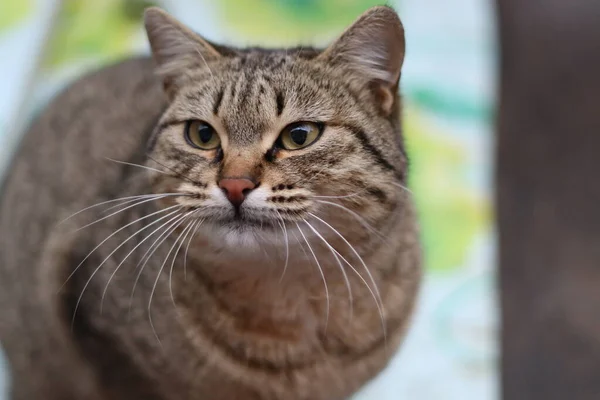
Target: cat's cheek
column 218, row 197
column 257, row 199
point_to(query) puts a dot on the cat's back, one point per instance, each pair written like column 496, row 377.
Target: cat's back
column 63, row 158
column 60, row 168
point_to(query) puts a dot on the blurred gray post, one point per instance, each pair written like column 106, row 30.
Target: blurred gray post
column 548, row 198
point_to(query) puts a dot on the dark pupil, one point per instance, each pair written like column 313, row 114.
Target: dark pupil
column 299, row 135
column 204, row 134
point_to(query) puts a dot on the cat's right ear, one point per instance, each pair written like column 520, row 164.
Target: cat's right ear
column 373, row 47
column 176, row 48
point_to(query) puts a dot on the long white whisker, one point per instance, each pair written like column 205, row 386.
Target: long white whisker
column 132, row 250
column 142, row 196
column 338, row 197
column 377, row 303
column 160, row 273
column 100, row 266
column 334, row 251
column 153, row 247
column 205, row 63
column 321, row 272
column 107, row 238
column 287, row 244
column 183, row 235
column 188, row 247
column 119, row 211
column 358, row 217
column 402, row 187
column 134, row 200
column 137, row 165
column 375, row 288
column 300, row 244
column 353, row 250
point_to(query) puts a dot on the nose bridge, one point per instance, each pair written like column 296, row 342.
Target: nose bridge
column 241, row 163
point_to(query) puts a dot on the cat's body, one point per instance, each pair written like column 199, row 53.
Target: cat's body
column 246, row 315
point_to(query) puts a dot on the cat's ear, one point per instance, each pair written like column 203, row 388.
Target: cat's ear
column 176, row 48
column 373, row 46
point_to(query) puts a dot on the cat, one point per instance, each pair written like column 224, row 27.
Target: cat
column 213, row 223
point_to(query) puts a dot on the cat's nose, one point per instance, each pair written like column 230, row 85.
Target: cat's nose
column 236, row 189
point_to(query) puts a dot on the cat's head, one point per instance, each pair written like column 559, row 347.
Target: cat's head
column 266, row 140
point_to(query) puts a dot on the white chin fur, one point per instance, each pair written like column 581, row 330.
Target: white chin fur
column 250, row 239
column 245, row 239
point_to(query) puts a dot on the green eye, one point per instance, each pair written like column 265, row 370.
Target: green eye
column 299, row 135
column 201, row 135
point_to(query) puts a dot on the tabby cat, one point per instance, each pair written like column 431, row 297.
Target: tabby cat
column 215, row 223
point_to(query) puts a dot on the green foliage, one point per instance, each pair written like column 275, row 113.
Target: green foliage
column 288, row 22
column 450, row 212
column 13, row 11
column 91, row 28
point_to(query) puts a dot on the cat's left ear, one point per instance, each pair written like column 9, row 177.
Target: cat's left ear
column 374, row 48
column 176, row 48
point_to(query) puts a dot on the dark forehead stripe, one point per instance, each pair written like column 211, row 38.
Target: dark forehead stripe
column 374, row 151
column 218, row 100
column 279, row 99
column 246, row 89
column 233, row 89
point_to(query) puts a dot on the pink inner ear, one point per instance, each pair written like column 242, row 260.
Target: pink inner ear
column 384, row 95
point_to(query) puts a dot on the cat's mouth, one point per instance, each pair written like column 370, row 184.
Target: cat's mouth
column 242, row 221
column 242, row 226
column 244, row 231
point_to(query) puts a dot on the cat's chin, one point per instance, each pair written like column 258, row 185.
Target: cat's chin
column 243, row 235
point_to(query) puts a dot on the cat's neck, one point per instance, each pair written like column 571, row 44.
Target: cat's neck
column 307, row 288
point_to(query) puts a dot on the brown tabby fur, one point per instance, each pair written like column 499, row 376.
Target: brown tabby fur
column 244, row 313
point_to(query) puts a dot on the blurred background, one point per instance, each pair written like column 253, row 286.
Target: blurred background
column 449, row 88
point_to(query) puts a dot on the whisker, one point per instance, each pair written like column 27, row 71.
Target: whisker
column 375, row 288
column 108, row 202
column 147, row 254
column 134, row 200
column 177, row 174
column 351, row 248
column 334, row 251
column 402, row 187
column 322, row 275
column 153, row 247
column 300, row 244
column 158, row 197
column 137, row 165
column 135, row 248
column 106, row 239
column 355, row 215
column 205, row 63
column 338, row 197
column 287, row 244
column 198, row 223
column 149, row 309
column 183, row 235
column 100, row 266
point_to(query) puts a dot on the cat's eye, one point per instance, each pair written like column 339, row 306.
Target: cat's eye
column 299, row 135
column 201, row 135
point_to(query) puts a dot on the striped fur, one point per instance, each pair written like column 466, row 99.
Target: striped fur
column 304, row 292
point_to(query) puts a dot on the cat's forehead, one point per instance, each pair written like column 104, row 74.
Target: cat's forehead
column 254, row 91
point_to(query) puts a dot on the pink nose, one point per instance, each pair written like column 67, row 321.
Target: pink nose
column 236, row 189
